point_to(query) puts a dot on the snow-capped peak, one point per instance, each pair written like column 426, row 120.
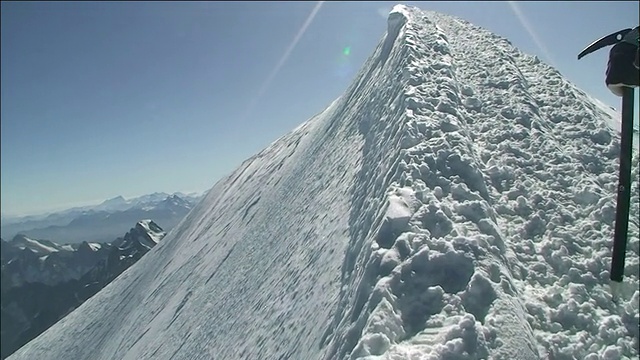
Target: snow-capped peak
column 39, row 247
column 152, row 229
column 175, row 200
column 145, row 235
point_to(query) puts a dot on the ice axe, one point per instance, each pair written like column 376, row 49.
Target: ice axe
column 604, row 41
column 624, row 184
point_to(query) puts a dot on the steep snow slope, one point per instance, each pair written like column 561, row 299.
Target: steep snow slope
column 455, row 203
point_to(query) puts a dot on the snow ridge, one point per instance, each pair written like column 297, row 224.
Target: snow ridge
column 419, row 274
column 455, row 203
column 495, row 239
column 27, row 260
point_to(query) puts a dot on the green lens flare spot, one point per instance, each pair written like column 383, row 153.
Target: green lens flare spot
column 346, row 51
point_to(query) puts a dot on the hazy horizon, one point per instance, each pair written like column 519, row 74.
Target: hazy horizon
column 89, row 203
column 106, row 99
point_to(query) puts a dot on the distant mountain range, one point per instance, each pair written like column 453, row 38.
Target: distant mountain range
column 43, row 281
column 103, row 222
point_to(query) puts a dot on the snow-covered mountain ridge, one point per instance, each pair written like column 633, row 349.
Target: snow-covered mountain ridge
column 43, row 281
column 26, row 260
column 142, row 238
column 43, row 261
column 104, row 222
column 456, row 202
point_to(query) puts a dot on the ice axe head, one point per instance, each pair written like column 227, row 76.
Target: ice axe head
column 608, row 40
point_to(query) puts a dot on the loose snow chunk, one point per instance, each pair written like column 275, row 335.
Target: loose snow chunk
column 396, row 221
column 390, row 260
column 472, row 103
column 382, row 290
column 383, row 328
column 633, row 304
column 398, row 210
column 464, row 339
column 479, row 296
column 611, row 353
column 371, row 344
column 385, row 321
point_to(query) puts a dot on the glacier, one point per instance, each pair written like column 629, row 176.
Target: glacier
column 456, row 202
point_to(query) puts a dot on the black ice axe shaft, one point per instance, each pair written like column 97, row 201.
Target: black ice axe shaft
column 624, row 182
column 624, row 188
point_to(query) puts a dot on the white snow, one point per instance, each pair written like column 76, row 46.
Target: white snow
column 95, row 246
column 41, row 247
column 66, row 247
column 36, row 246
column 155, row 233
column 614, row 121
column 457, row 202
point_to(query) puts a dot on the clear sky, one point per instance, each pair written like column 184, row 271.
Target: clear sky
column 101, row 99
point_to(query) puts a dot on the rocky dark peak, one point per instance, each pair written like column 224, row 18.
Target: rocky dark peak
column 84, row 248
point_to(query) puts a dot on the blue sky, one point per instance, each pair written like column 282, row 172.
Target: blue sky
column 101, row 99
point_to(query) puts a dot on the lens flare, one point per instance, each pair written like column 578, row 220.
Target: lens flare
column 283, row 59
column 346, row 51
column 515, row 7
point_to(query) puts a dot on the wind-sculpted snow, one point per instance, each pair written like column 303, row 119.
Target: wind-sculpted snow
column 457, row 202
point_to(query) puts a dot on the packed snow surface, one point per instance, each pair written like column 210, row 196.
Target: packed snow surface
column 457, row 202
